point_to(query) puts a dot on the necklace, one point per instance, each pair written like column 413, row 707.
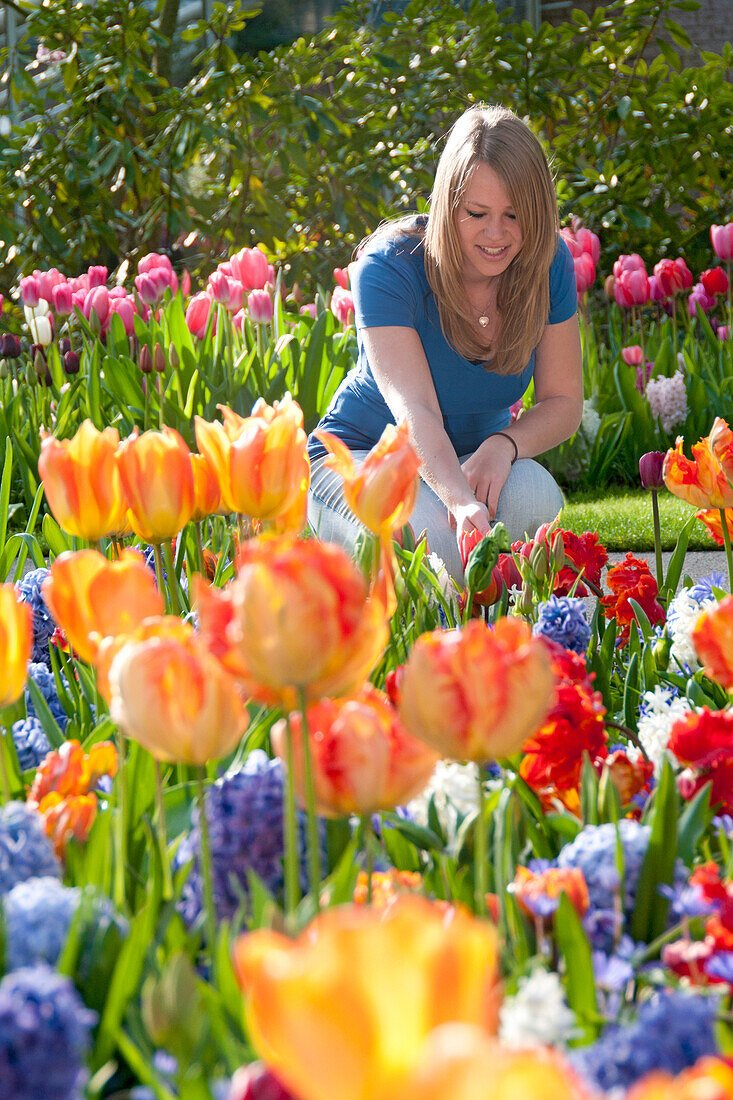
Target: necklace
column 483, row 320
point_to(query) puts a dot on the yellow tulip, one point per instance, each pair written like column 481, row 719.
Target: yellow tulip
column 82, row 482
column 157, row 478
column 16, row 644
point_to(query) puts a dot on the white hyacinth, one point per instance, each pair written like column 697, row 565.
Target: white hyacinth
column 454, row 789
column 667, row 399
column 661, row 709
column 590, row 422
column 683, row 612
column 537, row 1014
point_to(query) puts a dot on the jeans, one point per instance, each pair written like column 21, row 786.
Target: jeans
column 529, row 498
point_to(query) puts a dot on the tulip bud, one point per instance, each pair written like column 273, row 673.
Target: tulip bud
column 71, row 362
column 94, row 323
column 296, row 294
column 650, row 470
column 608, row 287
column 9, row 346
column 29, row 373
column 484, row 557
column 558, row 553
column 4, row 368
column 169, row 1005
column 661, row 651
column 159, row 359
column 173, row 357
column 146, row 359
column 525, row 602
column 539, row 560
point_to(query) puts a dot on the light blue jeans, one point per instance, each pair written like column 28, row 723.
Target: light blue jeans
column 530, row 497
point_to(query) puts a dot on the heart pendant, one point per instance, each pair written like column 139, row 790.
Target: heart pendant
column 483, row 320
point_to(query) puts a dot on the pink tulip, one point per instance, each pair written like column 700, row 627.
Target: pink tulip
column 117, row 292
column 97, row 301
column 81, row 282
column 669, row 277
column 590, row 244
column 78, row 298
column 632, row 355
column 162, row 278
column 632, row 262
column 585, row 272
column 342, row 305
column 656, row 294
column 185, row 284
column 97, row 276
column 238, row 320
column 621, row 295
column 62, row 299
column 251, row 268
column 30, row 291
column 699, row 294
column 124, row 309
column 635, row 283
column 47, row 280
column 197, row 314
column 721, row 238
column 341, row 277
column 151, row 260
column 571, row 241
column 219, row 287
column 146, row 288
column 236, row 296
column 259, row 307
column 685, row 273
column 271, row 274
column 309, row 309
column 723, row 333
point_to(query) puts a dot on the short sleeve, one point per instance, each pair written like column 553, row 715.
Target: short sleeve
column 563, row 292
column 385, row 289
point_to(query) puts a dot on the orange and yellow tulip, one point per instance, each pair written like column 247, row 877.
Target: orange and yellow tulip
column 157, row 478
column 157, row 626
column 63, row 786
column 176, row 700
column 712, row 637
column 16, row 644
column 364, row 760
column 82, row 482
column 343, row 1011
column 206, row 492
column 383, row 490
column 703, row 479
column 296, row 616
column 92, row 598
column 459, row 1060
column 477, row 693
column 260, row 460
column 710, row 1078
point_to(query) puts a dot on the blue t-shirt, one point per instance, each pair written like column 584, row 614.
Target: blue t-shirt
column 390, row 287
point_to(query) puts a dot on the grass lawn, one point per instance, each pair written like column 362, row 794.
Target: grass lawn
column 623, row 519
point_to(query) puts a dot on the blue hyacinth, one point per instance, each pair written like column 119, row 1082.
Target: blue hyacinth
column 594, row 851
column 31, row 743
column 45, row 1036
column 46, row 682
column 562, row 620
column 671, row 1032
column 38, row 914
column 244, row 813
column 28, row 589
column 702, row 589
column 25, row 850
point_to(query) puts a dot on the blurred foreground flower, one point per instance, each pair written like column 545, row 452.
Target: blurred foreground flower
column 82, row 482
column 712, row 637
column 401, row 972
column 25, row 850
column 364, row 760
column 703, row 741
column 477, row 693
column 297, row 616
column 16, row 643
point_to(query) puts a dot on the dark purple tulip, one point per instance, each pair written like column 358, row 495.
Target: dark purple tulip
column 9, row 346
column 650, row 470
column 64, row 345
column 71, row 362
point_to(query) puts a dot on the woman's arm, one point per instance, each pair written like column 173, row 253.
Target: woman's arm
column 401, row 371
column 554, row 417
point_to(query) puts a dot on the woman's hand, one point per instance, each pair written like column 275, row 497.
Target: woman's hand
column 469, row 517
column 488, row 469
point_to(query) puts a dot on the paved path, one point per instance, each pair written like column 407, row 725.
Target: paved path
column 698, row 563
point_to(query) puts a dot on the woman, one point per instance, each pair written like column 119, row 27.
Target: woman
column 455, row 314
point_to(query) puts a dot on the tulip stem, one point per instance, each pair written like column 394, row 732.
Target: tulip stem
column 4, row 767
column 657, row 541
column 162, row 588
column 314, row 854
column 480, row 855
column 172, row 578
column 290, row 827
column 160, row 826
column 200, row 550
column 206, row 870
column 366, row 822
column 120, row 823
column 726, row 543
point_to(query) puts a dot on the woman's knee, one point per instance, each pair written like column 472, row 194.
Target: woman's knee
column 530, row 497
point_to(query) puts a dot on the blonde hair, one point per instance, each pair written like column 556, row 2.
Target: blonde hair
column 494, row 136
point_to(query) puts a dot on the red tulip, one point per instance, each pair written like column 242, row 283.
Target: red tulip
column 632, row 355
column 341, row 277
column 715, row 281
column 721, row 238
column 669, row 277
column 635, row 284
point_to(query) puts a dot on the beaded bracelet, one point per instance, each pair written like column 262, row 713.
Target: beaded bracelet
column 513, row 443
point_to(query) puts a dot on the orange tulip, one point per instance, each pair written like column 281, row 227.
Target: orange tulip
column 364, row 759
column 92, row 598
column 703, row 480
column 206, row 492
column 477, row 693
column 712, row 637
column 16, row 644
column 343, row 1011
column 176, row 699
column 82, row 482
column 297, row 615
column 157, row 626
column 63, row 786
column 383, row 490
column 710, row 1078
column 157, row 478
column 550, row 884
column 461, row 1062
column 260, row 460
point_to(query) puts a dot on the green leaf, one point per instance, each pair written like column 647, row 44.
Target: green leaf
column 580, row 983
column 650, row 910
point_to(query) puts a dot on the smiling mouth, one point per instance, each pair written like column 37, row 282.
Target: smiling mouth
column 494, row 253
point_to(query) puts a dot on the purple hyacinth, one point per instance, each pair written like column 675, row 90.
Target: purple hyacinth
column 46, row 682
column 45, row 1036
column 31, row 743
column 244, row 813
column 671, row 1032
column 28, row 589
column 38, row 915
column 25, row 850
column 562, row 620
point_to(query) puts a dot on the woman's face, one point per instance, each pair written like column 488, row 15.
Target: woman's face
column 487, row 226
